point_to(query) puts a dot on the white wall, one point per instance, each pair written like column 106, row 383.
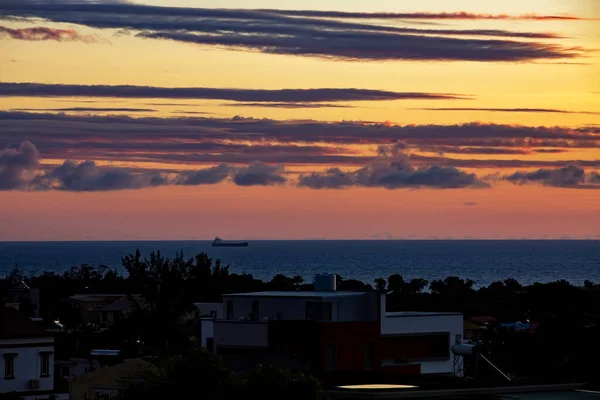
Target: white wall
column 350, row 308
column 27, row 364
column 241, row 334
column 423, row 322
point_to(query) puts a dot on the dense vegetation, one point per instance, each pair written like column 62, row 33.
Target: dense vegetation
column 183, row 376
column 564, row 345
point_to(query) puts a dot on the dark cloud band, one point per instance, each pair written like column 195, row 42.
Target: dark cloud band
column 306, row 33
column 286, row 96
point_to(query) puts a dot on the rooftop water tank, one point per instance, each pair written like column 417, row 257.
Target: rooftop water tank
column 325, row 283
column 465, row 349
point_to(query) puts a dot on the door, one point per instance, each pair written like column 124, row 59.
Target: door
column 331, row 357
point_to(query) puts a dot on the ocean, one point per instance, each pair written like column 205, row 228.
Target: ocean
column 482, row 261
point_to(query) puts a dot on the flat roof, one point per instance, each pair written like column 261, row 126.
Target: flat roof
column 298, row 294
column 418, row 314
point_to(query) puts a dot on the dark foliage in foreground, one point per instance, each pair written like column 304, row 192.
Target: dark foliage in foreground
column 199, row 374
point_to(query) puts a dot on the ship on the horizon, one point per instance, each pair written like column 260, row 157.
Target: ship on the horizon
column 218, row 242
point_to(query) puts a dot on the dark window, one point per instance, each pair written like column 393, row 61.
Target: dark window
column 65, row 371
column 439, row 346
column 229, row 309
column 44, row 365
column 210, row 344
column 104, row 316
column 9, row 366
column 255, row 310
column 369, row 355
column 331, row 356
column 319, row 311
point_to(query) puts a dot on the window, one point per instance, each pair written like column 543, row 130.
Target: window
column 369, row 355
column 44, row 365
column 255, row 310
column 319, row 311
column 331, row 356
column 9, row 365
column 439, row 346
column 229, row 309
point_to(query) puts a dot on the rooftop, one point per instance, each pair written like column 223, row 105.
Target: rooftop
column 14, row 325
column 418, row 314
column 298, row 294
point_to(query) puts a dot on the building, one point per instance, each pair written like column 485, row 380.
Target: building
column 25, row 299
column 105, row 383
column 27, row 365
column 337, row 331
column 105, row 309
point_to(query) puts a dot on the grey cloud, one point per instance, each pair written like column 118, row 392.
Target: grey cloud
column 470, row 204
column 393, row 169
column 86, row 176
column 332, row 178
column 207, row 176
column 15, row 163
column 276, row 32
column 242, row 95
column 569, row 176
column 259, row 174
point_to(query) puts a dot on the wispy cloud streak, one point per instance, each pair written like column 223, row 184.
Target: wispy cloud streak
column 44, row 33
column 508, row 110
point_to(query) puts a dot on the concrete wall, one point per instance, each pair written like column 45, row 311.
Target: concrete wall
column 207, row 330
column 350, row 308
column 241, row 334
column 27, row 364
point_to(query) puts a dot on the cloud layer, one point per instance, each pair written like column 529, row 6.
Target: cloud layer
column 238, row 140
column 307, row 33
column 285, row 96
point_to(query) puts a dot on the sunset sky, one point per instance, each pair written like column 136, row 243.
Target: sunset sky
column 264, row 119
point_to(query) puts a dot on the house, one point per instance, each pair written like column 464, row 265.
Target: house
column 105, row 308
column 27, row 352
column 25, row 299
column 74, row 366
column 105, row 383
column 337, row 331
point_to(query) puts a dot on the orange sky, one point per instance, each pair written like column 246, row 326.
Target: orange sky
column 539, row 208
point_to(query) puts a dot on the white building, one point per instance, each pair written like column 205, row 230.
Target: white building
column 27, row 365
